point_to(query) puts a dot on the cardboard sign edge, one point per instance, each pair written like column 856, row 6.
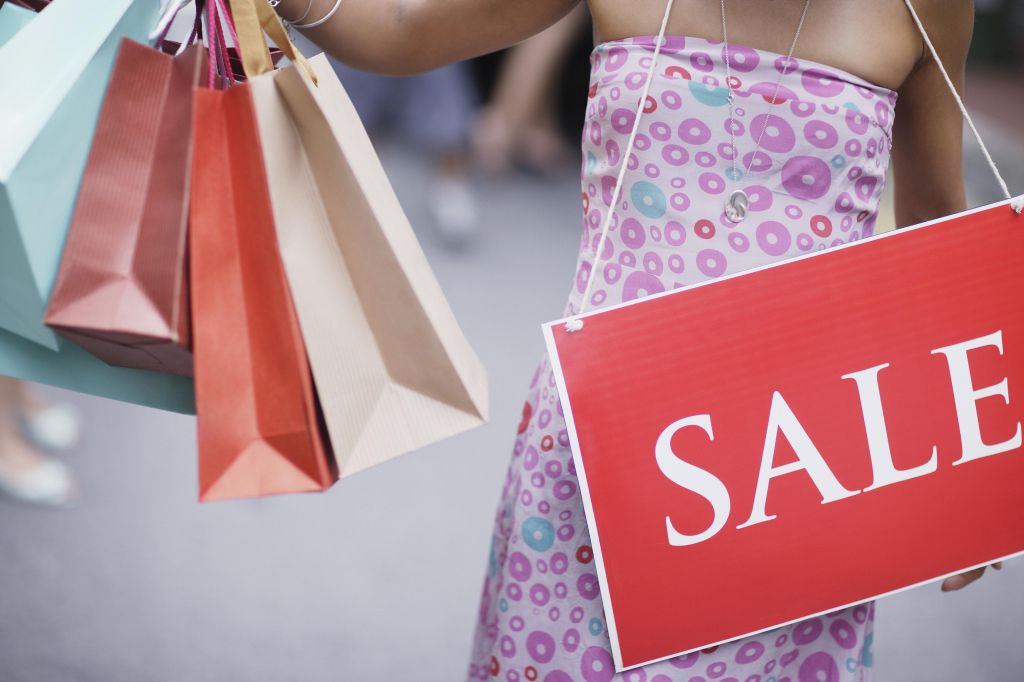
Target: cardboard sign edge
column 588, row 507
column 782, row 263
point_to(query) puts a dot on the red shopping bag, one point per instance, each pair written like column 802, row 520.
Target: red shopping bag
column 259, row 428
column 122, row 288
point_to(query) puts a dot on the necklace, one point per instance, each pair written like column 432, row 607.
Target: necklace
column 738, row 202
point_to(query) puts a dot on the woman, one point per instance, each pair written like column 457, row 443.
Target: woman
column 805, row 139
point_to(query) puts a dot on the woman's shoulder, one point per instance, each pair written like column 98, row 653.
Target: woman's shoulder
column 949, row 24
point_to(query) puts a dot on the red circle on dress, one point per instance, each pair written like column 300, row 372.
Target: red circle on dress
column 678, row 72
column 704, row 228
column 821, row 225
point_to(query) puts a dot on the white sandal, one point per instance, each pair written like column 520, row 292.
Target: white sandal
column 49, row 483
column 55, row 428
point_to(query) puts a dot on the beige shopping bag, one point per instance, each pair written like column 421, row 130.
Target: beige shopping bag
column 393, row 369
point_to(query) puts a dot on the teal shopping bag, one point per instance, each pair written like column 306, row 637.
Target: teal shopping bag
column 53, row 73
column 75, row 369
column 12, row 19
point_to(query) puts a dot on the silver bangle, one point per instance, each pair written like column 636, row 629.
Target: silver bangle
column 275, row 3
column 326, row 17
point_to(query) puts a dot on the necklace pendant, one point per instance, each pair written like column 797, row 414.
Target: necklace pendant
column 736, row 206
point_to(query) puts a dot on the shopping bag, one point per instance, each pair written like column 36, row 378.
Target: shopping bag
column 12, row 20
column 259, row 432
column 53, row 73
column 25, row 175
column 393, row 369
column 122, row 288
column 76, row 370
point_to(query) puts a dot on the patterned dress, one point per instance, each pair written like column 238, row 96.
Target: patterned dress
column 814, row 183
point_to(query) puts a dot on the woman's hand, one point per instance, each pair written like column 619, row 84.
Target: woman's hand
column 959, row 582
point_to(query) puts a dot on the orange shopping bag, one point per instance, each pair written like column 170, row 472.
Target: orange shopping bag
column 259, row 428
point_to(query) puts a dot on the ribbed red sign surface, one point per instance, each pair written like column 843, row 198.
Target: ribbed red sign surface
column 802, row 437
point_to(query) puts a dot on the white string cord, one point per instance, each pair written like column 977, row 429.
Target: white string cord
column 576, row 324
column 322, row 20
column 1017, row 204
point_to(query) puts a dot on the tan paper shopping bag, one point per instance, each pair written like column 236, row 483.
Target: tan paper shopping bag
column 393, row 369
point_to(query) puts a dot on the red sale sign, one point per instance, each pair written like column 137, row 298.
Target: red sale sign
column 802, row 437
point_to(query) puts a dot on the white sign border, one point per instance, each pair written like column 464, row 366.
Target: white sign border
column 581, row 475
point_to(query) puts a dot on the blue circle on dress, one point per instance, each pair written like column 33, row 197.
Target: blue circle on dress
column 538, row 533
column 709, row 95
column 648, row 199
column 734, row 174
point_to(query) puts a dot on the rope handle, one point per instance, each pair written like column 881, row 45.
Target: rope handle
column 227, row 70
column 213, row 52
column 575, row 323
column 255, row 17
column 219, row 72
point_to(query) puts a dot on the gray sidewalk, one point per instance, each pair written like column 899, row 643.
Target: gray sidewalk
column 377, row 580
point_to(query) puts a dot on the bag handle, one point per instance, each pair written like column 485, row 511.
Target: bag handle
column 252, row 19
column 575, row 323
column 212, row 13
column 227, row 70
column 163, row 24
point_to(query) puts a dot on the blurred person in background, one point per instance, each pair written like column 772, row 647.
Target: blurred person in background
column 519, row 125
column 29, row 428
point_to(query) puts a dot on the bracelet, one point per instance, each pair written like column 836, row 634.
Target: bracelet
column 314, row 24
column 275, row 3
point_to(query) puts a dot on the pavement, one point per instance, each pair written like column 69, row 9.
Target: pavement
column 379, row 579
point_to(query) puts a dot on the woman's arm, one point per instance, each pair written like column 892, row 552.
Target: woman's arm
column 927, row 151
column 400, row 37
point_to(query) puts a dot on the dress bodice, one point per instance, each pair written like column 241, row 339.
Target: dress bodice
column 815, row 181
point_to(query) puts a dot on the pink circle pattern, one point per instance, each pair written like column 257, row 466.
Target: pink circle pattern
column 815, row 184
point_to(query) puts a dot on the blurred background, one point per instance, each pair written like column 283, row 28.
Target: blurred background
column 381, row 576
